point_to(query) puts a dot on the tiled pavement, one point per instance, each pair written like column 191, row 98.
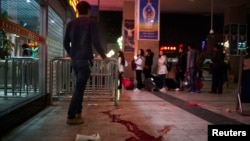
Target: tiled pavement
column 143, row 116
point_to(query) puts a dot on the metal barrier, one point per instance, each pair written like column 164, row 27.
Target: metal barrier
column 101, row 84
column 24, row 72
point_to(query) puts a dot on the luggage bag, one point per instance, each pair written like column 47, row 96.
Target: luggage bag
column 127, row 84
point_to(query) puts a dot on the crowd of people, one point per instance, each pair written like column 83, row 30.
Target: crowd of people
column 188, row 69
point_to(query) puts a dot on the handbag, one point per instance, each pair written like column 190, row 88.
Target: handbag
column 186, row 82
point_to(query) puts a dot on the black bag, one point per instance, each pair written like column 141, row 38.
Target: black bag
column 156, row 80
column 171, row 83
column 133, row 65
column 150, row 85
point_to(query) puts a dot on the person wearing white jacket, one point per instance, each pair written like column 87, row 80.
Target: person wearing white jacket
column 121, row 64
column 139, row 61
column 162, row 71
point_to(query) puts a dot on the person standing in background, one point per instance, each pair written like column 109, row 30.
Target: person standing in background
column 121, row 64
column 148, row 64
column 192, row 69
column 162, row 71
column 180, row 68
column 138, row 71
column 27, row 52
column 80, row 34
column 217, row 70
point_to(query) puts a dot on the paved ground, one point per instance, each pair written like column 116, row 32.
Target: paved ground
column 144, row 116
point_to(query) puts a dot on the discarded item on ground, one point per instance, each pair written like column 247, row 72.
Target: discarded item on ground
column 95, row 137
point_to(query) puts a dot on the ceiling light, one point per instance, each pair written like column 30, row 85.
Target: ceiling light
column 25, row 24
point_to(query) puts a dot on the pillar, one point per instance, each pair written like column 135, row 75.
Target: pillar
column 148, row 34
column 130, row 20
column 128, row 46
column 235, row 34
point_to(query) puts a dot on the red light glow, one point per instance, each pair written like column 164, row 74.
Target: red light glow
column 168, row 48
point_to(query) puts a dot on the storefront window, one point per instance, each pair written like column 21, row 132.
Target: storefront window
column 19, row 53
column 25, row 13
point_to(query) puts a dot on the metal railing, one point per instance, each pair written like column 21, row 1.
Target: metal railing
column 21, row 75
column 102, row 82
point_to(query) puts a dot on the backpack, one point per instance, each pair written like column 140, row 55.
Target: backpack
column 133, row 65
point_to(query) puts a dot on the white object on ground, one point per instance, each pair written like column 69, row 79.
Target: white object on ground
column 95, row 137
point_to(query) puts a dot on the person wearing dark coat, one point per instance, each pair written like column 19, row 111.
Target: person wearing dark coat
column 26, row 50
column 180, row 68
column 217, row 70
column 148, row 64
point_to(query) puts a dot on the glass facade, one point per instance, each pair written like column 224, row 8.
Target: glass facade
column 19, row 74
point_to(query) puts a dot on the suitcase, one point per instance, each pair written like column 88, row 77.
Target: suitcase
column 171, row 83
column 127, row 84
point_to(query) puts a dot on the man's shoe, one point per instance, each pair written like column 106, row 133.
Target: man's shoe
column 177, row 89
column 191, row 92
column 75, row 121
column 197, row 91
column 163, row 90
column 137, row 90
column 79, row 116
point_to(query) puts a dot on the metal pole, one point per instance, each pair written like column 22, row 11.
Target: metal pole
column 51, row 82
column 239, row 105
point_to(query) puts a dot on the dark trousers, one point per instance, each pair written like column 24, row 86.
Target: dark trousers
column 82, row 73
column 217, row 82
column 138, row 74
column 179, row 76
column 147, row 72
column 162, row 78
column 120, row 79
column 193, row 73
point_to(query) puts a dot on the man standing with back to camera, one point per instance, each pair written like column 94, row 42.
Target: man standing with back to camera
column 80, row 34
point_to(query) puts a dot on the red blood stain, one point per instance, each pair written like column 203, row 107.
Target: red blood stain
column 133, row 128
column 192, row 104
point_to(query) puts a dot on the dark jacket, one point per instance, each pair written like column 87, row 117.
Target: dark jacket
column 149, row 61
column 182, row 62
column 217, row 61
column 82, row 32
column 191, row 59
column 27, row 52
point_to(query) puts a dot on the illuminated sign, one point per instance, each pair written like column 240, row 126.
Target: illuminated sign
column 168, row 48
column 16, row 29
column 73, row 4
